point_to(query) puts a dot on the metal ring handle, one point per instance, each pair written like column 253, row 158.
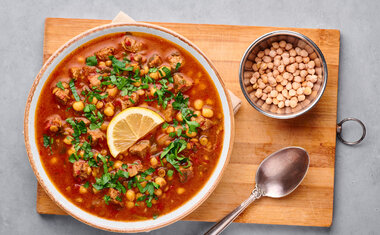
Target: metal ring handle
column 339, row 130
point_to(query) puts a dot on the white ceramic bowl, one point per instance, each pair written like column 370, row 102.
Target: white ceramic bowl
column 35, row 160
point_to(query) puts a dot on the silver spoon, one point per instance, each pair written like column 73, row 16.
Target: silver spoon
column 277, row 176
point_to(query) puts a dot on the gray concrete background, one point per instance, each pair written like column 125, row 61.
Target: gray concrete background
column 356, row 204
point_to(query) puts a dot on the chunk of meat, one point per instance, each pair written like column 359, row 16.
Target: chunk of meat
column 87, row 70
column 182, row 83
column 168, row 113
column 187, row 173
column 81, row 73
column 140, row 149
column 105, row 53
column 134, row 168
column 207, row 124
column 94, row 81
column 130, row 101
column 154, row 61
column 62, row 96
column 131, row 45
column 174, row 59
column 204, row 123
column 96, row 135
column 54, row 124
column 161, row 139
column 138, row 57
column 75, row 73
column 114, row 196
column 81, row 169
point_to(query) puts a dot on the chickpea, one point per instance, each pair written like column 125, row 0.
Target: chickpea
column 79, row 199
column 99, row 105
column 280, row 97
column 158, row 192
column 279, row 88
column 53, row 128
column 102, row 64
column 112, row 92
column 293, row 103
column 109, row 111
column 307, row 91
column 301, row 98
column 108, row 63
column 192, row 134
column 71, row 151
column 80, row 59
column 78, row 106
column 292, row 92
column 117, row 164
column 281, row 104
column 268, row 100
column 161, row 172
column 130, row 194
column 153, row 161
column 160, row 181
column 130, row 204
column 54, row 160
column 170, row 129
column 260, row 54
column 180, row 190
column 207, row 112
column 154, row 75
column 67, row 140
column 104, row 126
column 82, row 190
column 179, row 117
column 203, row 140
column 198, row 104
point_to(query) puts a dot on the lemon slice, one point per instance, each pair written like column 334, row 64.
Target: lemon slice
column 129, row 126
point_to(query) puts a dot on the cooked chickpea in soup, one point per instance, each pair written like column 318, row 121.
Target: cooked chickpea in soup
column 159, row 171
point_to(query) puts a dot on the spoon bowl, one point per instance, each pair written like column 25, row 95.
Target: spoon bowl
column 281, row 172
column 277, row 176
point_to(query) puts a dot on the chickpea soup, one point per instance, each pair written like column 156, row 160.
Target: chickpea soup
column 160, row 171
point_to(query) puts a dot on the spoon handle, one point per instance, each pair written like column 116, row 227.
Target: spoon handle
column 227, row 220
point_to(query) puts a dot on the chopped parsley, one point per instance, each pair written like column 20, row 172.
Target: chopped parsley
column 74, row 90
column 91, row 61
column 86, row 184
column 96, row 118
column 59, row 85
column 106, row 199
column 170, row 173
column 171, row 152
column 48, row 141
column 177, row 66
column 78, row 127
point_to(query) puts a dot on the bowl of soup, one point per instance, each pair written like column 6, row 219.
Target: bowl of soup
column 162, row 175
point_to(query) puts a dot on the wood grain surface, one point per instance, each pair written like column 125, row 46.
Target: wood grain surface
column 256, row 135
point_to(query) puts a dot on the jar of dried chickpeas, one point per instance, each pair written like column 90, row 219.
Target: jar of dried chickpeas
column 283, row 74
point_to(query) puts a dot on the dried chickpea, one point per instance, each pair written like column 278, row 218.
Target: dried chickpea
column 307, row 91
column 301, row 98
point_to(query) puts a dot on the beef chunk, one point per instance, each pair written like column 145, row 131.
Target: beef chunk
column 182, row 83
column 115, row 195
column 140, row 149
column 94, row 81
column 81, row 169
column 81, row 73
column 75, row 73
column 96, row 136
column 62, row 96
column 134, row 168
column 207, row 124
column 168, row 113
column 131, row 45
column 54, row 124
column 105, row 53
column 204, row 123
column 130, row 101
column 187, row 173
column 174, row 59
column 154, row 61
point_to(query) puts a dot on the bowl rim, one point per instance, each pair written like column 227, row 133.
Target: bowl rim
column 279, row 33
column 231, row 134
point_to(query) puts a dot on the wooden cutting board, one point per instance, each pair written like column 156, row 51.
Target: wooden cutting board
column 256, row 135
